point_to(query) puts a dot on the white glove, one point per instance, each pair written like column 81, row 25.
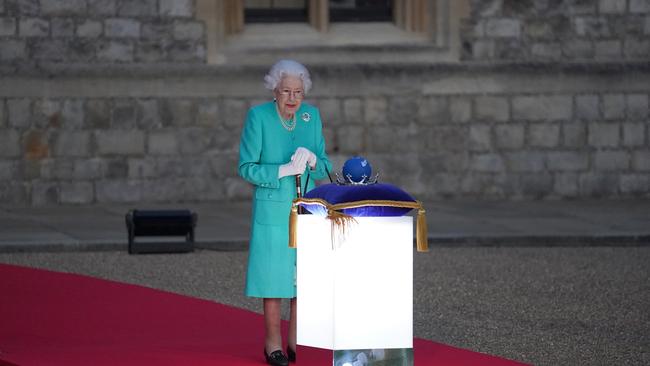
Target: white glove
column 295, row 167
column 311, row 157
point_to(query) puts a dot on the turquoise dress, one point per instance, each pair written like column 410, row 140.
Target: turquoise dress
column 265, row 145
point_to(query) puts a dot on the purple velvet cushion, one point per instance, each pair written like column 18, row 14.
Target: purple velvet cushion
column 335, row 194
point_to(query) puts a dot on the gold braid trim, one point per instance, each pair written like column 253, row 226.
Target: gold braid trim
column 342, row 220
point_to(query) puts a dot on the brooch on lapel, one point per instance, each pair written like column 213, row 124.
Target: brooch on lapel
column 306, row 117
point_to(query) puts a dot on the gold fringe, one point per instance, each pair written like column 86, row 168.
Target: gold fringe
column 342, row 220
column 293, row 226
column 422, row 236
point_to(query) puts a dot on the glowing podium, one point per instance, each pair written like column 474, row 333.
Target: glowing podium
column 355, row 288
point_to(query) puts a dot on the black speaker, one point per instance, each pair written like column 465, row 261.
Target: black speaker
column 158, row 224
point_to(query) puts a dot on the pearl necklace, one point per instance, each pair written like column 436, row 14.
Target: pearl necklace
column 288, row 124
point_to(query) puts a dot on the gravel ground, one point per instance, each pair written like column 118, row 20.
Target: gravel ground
column 540, row 305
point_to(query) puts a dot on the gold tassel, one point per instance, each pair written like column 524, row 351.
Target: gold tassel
column 293, row 226
column 422, row 236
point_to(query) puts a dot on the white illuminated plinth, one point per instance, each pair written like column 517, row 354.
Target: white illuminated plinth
column 359, row 293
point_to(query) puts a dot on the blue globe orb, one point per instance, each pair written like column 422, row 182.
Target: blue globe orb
column 357, row 170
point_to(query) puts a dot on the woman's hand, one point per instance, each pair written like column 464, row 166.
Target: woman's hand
column 310, row 156
column 295, row 167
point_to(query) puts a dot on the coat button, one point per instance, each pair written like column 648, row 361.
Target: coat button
column 270, row 195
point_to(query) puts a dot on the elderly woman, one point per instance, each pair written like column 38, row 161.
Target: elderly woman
column 280, row 140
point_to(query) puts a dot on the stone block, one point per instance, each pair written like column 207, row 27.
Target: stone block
column 186, row 51
column 120, row 142
column 176, row 8
column 115, row 51
column 122, row 28
column 123, row 114
column 163, row 143
column 634, row 134
column 76, row 192
column 118, row 191
column 15, row 193
column 98, row 114
column 81, row 50
column 234, row 112
column 150, row 52
column 646, row 26
column 503, row 27
column 225, row 139
column 157, row 30
column 544, row 135
column 223, row 165
column 611, row 160
column 9, row 144
column 72, row 144
column 27, row 170
column 19, row 113
column 350, row 139
column 611, row 6
column 22, row 7
column 636, row 47
column 434, row 110
column 636, row 184
column 32, row 27
column 353, row 110
column 2, row 7
column 72, row 114
column 194, row 140
column 188, row 30
column 8, row 170
column 87, row 169
column 402, row 110
column 444, row 138
column 536, row 185
column 3, row 122
column 509, row 136
column 136, row 8
column 614, row 106
column 460, row 109
column 566, row 184
column 641, row 160
column 537, row 108
column 51, row 49
column 598, row 184
column 609, row 49
column 57, row 169
column 208, row 113
column 591, row 27
column 539, row 29
column 36, row 144
column 45, row 193
column 331, row 112
column 639, row 6
column 12, row 50
column 376, row 110
column 98, row 8
column 480, row 138
column 637, row 107
column 62, row 27
column 47, row 113
column 604, row 134
column 578, row 49
column 172, row 166
column 489, row 108
column 141, row 168
column 547, row 51
column 116, row 168
column 487, row 163
column 63, row 7
column 148, row 114
column 567, row 161
column 587, row 107
column 574, row 134
column 89, row 29
column 525, row 161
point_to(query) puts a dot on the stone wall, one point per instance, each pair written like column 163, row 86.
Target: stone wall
column 439, row 132
column 99, row 31
column 558, row 30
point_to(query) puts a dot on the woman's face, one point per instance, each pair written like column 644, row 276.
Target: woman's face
column 289, row 94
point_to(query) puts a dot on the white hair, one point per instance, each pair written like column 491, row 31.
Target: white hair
column 284, row 68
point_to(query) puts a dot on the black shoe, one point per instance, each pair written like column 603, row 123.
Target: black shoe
column 291, row 354
column 276, row 358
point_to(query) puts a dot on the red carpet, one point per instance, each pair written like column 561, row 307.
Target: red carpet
column 51, row 318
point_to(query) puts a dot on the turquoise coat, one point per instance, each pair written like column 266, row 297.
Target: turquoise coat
column 265, row 145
